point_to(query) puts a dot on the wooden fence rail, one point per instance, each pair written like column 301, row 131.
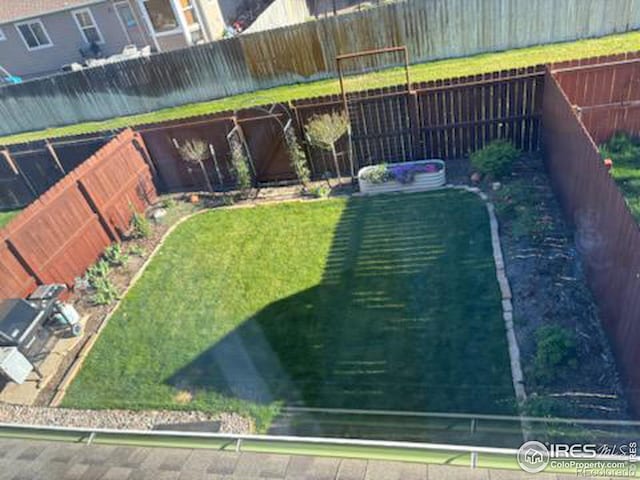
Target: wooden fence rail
column 66, row 229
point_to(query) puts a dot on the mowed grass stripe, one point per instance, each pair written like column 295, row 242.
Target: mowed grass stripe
column 387, row 302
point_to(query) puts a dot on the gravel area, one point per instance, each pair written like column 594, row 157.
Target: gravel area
column 117, row 419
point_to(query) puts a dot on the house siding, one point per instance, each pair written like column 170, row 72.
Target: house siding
column 66, row 38
column 212, row 18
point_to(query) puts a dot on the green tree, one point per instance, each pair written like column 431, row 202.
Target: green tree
column 323, row 131
column 196, row 151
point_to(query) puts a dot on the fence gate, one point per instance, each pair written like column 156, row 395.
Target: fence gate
column 382, row 120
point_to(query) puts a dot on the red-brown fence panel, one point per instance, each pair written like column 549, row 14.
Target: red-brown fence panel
column 61, row 234
column 120, row 185
column 607, row 235
column 607, row 93
column 15, row 280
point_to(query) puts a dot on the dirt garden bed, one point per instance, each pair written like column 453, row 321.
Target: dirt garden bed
column 554, row 311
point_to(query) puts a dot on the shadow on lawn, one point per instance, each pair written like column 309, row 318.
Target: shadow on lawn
column 407, row 317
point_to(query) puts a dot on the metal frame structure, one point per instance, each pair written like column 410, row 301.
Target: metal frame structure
column 340, row 59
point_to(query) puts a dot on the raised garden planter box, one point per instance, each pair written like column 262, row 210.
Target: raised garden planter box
column 405, row 176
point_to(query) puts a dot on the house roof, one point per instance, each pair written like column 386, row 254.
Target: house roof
column 13, row 10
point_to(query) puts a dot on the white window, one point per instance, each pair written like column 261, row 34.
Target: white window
column 34, row 35
column 2, row 35
column 161, row 16
column 87, row 25
column 126, row 14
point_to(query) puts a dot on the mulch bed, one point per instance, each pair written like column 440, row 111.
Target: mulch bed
column 549, row 288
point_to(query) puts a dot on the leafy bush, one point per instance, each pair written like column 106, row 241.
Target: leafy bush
column 324, row 131
column 106, row 292
column 321, row 191
column 297, row 157
column 115, row 255
column 377, row 174
column 169, row 203
column 97, row 272
column 495, row 159
column 556, row 348
column 240, row 164
column 622, row 149
column 140, row 226
column 137, row 251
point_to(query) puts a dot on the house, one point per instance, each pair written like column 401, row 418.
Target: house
column 39, row 37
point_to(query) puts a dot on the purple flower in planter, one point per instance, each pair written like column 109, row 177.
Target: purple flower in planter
column 405, row 174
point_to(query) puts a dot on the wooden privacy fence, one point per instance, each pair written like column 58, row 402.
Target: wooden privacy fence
column 438, row 119
column 61, row 234
column 431, row 29
column 606, row 91
column 607, row 235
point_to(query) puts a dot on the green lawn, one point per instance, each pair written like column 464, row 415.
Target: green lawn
column 455, row 67
column 388, row 302
column 625, row 153
column 5, row 217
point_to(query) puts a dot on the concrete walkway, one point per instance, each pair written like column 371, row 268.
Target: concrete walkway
column 40, row 460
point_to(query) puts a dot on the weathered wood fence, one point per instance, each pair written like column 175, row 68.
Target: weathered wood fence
column 61, row 234
column 607, row 235
column 430, row 29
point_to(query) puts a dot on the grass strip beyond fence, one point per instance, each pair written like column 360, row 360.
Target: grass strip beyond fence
column 5, row 217
column 455, row 67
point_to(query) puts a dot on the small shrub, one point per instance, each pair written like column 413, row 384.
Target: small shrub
column 377, row 174
column 323, row 131
column 495, row 159
column 106, row 292
column 240, row 164
column 556, row 349
column 137, row 251
column 97, row 272
column 169, row 203
column 115, row 255
column 196, row 151
column 140, row 226
column 321, row 191
column 297, row 157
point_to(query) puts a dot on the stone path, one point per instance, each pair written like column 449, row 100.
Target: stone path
column 40, row 460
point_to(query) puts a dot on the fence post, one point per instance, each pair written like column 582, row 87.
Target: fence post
column 414, row 123
column 30, row 269
column 54, row 155
column 113, row 234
